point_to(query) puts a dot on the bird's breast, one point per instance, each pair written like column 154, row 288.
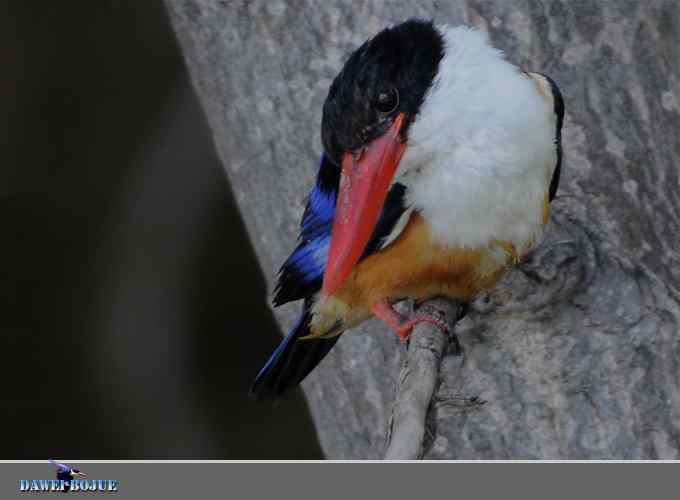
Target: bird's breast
column 415, row 266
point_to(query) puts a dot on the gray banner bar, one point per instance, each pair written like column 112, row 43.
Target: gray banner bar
column 191, row 481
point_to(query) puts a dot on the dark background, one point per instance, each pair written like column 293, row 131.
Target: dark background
column 133, row 315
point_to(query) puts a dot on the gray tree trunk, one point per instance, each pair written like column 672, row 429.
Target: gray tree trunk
column 577, row 358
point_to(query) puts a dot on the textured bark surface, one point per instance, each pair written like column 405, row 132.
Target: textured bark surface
column 407, row 435
column 577, row 358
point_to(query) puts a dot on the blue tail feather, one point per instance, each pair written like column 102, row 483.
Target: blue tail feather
column 292, row 360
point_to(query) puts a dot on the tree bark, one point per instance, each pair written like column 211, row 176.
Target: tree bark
column 406, row 434
column 578, row 356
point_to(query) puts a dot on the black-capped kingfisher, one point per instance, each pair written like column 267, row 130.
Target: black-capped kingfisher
column 440, row 161
column 67, row 473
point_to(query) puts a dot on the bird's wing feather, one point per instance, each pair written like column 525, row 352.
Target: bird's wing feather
column 301, row 276
column 547, row 88
column 388, row 227
column 558, row 107
column 302, row 273
column 62, row 467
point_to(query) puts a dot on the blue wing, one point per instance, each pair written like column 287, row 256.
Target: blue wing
column 302, row 273
column 61, row 467
column 301, row 276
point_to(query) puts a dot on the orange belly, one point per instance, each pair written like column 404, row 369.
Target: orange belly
column 413, row 266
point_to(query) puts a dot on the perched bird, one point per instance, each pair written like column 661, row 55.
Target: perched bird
column 440, row 161
column 66, row 473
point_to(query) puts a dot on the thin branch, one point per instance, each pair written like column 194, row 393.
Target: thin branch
column 418, row 380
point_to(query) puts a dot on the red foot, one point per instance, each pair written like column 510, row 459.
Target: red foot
column 403, row 327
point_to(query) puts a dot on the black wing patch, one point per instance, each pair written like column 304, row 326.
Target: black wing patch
column 559, row 115
column 301, row 276
column 395, row 206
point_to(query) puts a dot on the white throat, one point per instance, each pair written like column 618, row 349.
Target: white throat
column 481, row 150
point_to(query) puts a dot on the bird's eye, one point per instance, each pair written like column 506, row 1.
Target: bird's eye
column 387, row 100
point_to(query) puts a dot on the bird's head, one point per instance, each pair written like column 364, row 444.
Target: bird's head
column 77, row 473
column 370, row 109
column 385, row 78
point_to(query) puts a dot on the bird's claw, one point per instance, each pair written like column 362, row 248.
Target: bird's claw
column 403, row 327
column 406, row 328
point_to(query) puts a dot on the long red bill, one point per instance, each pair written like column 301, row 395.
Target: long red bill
column 364, row 184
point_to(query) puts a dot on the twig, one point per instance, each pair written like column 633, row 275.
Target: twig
column 417, row 381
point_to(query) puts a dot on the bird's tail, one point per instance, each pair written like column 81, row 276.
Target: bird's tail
column 292, row 360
